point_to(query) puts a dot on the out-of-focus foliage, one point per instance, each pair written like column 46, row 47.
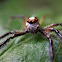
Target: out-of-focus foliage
column 30, row 48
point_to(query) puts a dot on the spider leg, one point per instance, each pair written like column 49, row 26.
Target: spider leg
column 50, row 44
column 43, row 18
column 12, row 32
column 5, row 35
column 18, row 16
column 56, row 31
column 16, row 34
column 51, row 47
column 53, row 25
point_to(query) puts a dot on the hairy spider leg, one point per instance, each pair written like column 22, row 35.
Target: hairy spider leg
column 51, row 47
column 56, row 31
column 15, row 34
column 18, row 16
column 43, row 18
column 6, row 34
column 50, row 44
column 53, row 25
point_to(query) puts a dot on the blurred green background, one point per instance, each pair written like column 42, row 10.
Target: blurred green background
column 30, row 48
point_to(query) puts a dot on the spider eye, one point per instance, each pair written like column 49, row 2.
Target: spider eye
column 30, row 22
column 36, row 20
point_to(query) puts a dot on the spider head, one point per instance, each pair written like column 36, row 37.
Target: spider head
column 32, row 20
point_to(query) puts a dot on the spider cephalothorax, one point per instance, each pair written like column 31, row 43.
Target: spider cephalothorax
column 33, row 26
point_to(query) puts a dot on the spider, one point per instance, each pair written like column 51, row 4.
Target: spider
column 32, row 25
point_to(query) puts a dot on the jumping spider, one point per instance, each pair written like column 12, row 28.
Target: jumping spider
column 33, row 26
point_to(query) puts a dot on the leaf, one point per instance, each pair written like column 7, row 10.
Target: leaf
column 29, row 47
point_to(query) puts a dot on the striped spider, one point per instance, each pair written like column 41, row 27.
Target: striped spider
column 32, row 25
